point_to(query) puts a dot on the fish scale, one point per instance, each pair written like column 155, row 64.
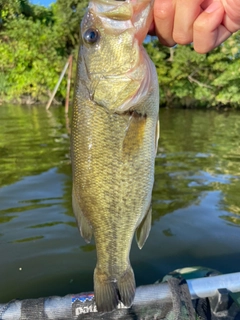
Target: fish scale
column 113, row 144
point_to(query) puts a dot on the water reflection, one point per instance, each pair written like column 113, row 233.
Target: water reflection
column 88, row 248
column 28, row 239
column 194, row 157
column 28, row 142
column 232, row 220
column 196, row 203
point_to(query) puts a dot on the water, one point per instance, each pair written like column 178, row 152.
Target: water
column 196, row 202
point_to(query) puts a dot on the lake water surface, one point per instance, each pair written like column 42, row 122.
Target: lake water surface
column 196, row 202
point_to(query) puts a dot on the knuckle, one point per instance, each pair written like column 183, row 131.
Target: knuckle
column 182, row 38
column 232, row 6
column 202, row 50
column 167, row 43
column 161, row 14
column 200, row 25
column 163, row 10
column 232, row 9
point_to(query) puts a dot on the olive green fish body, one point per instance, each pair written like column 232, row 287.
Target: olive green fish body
column 114, row 139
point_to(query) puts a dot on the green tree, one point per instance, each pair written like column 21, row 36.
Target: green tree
column 35, row 42
column 12, row 9
column 189, row 79
column 68, row 14
column 34, row 46
column 227, row 65
column 31, row 59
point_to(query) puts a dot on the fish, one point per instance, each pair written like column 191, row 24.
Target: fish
column 114, row 138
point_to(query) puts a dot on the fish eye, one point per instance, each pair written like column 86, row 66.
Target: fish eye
column 91, row 35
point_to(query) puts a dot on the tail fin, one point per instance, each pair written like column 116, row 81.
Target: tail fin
column 108, row 293
column 126, row 286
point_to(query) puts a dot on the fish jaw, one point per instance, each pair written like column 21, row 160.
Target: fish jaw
column 137, row 13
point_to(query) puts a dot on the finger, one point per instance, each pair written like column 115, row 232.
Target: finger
column 208, row 32
column 231, row 19
column 163, row 19
column 186, row 12
column 206, row 3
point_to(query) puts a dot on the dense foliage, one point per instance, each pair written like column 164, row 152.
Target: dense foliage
column 35, row 42
column 190, row 79
column 34, row 45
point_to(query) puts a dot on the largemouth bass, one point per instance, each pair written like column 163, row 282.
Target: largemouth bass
column 114, row 141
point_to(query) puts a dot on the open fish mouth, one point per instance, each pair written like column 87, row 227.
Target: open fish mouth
column 135, row 13
column 112, row 10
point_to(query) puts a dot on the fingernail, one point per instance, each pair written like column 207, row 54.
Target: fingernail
column 213, row 7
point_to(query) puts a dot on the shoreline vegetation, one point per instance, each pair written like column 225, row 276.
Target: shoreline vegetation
column 35, row 43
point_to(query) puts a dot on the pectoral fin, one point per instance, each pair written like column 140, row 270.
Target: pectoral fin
column 144, row 228
column 83, row 224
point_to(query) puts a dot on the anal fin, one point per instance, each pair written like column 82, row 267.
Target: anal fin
column 83, row 224
column 144, row 228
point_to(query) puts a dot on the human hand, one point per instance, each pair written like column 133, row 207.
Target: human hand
column 206, row 23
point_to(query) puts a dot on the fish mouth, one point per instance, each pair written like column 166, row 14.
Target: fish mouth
column 138, row 12
column 120, row 10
